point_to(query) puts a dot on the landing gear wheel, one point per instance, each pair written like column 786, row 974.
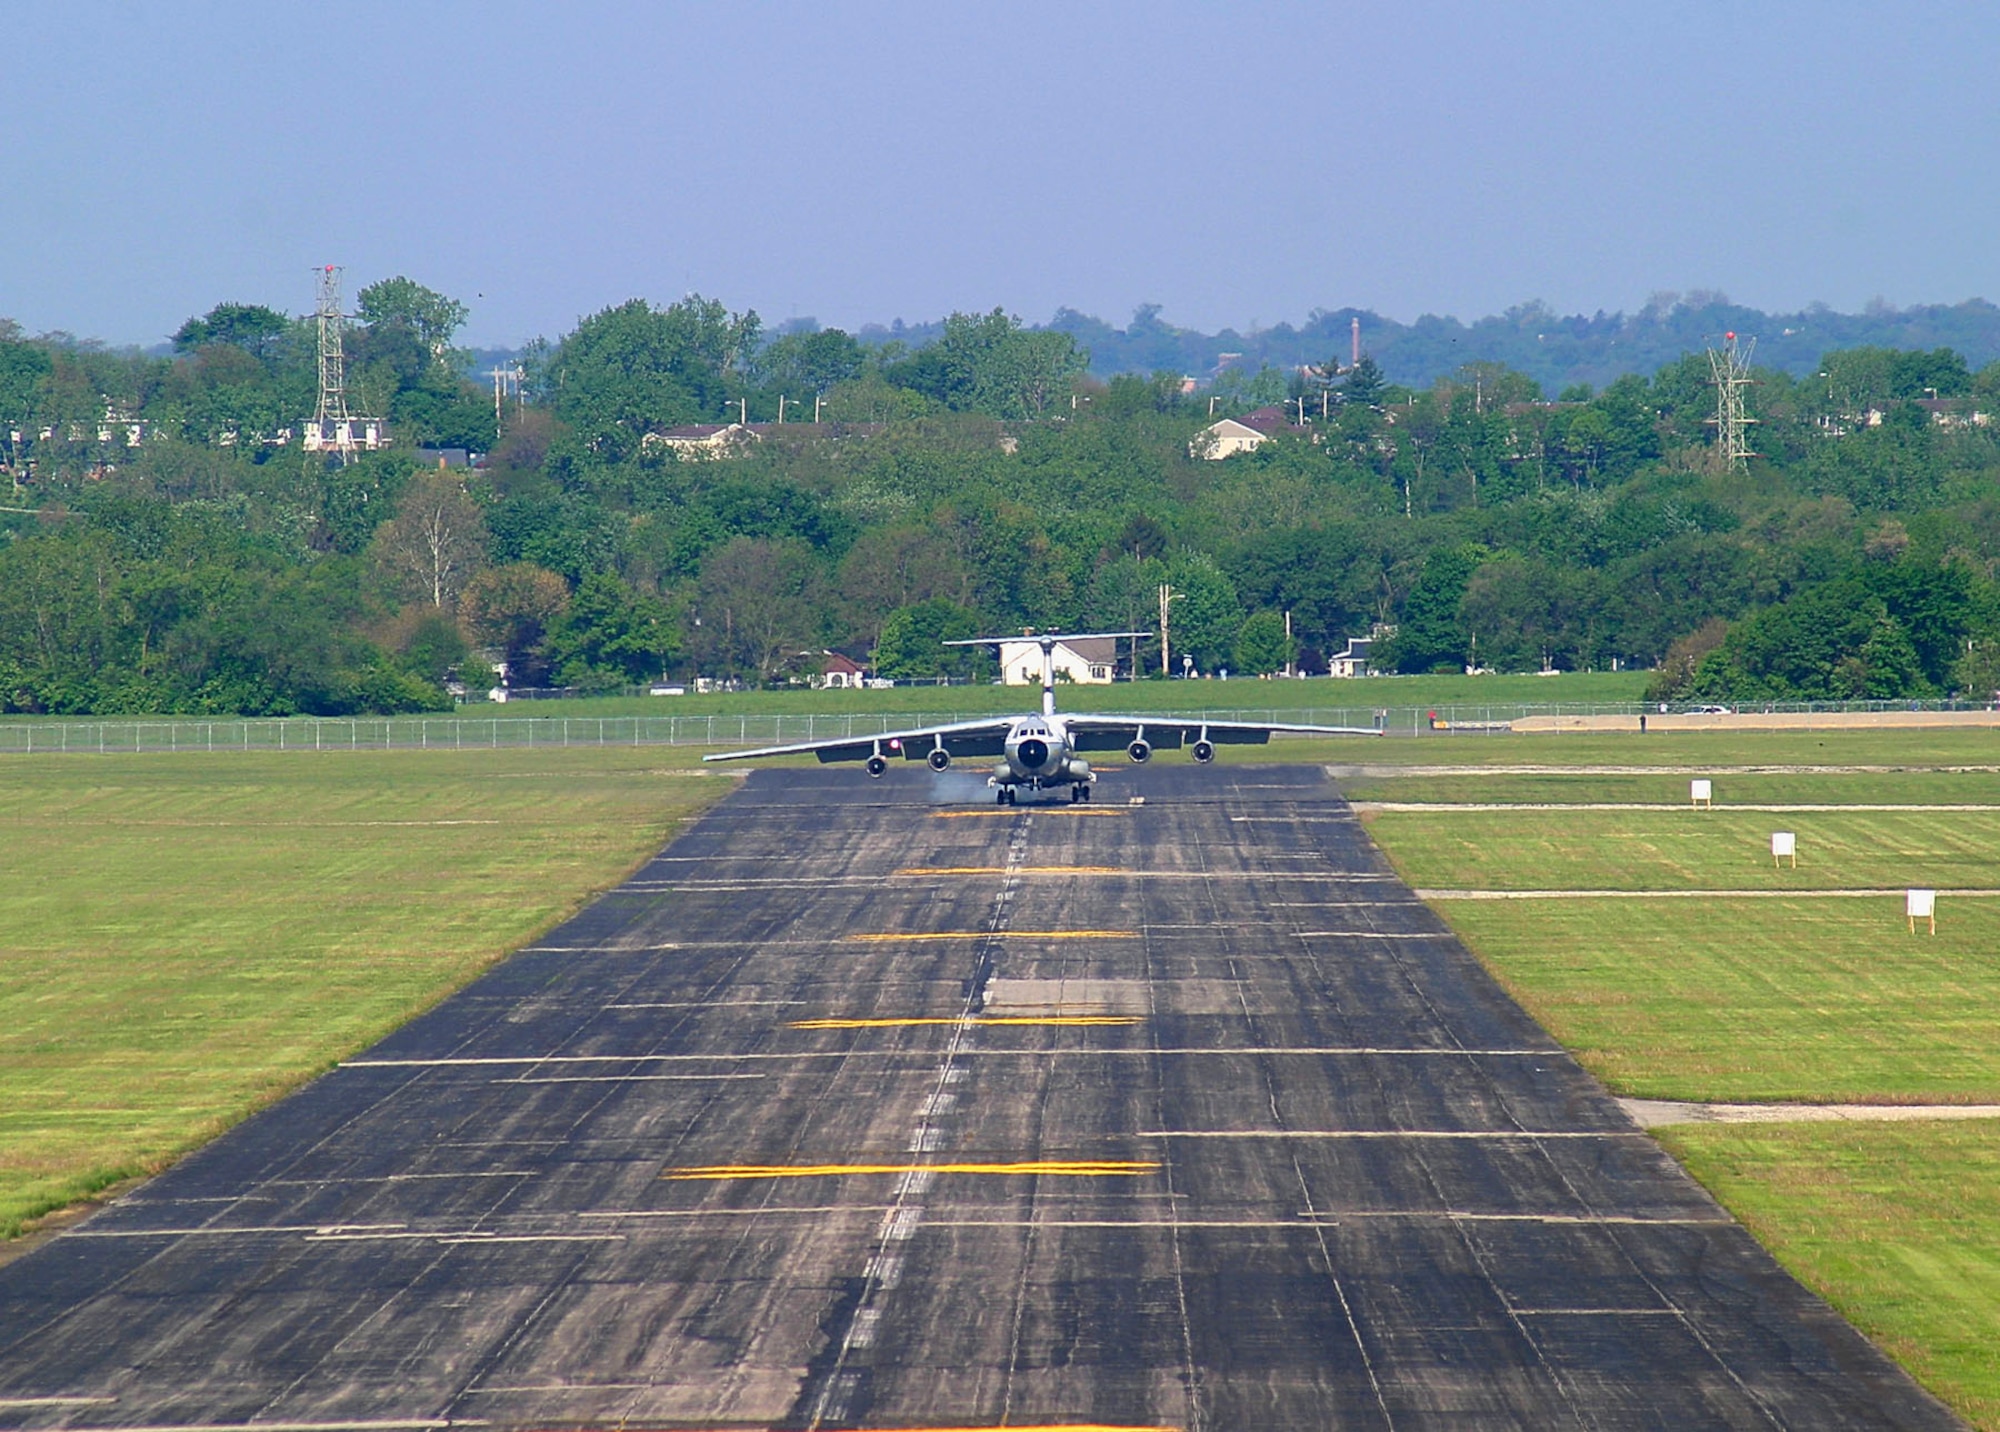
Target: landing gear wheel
column 1083, row 794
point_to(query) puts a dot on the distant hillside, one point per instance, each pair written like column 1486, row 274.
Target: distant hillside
column 1555, row 349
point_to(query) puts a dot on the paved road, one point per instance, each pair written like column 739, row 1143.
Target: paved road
column 852, row 1110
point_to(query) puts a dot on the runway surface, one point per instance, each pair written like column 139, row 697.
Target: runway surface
column 855, row 1111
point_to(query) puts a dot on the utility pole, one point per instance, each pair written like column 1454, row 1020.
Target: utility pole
column 781, row 409
column 1167, row 597
column 505, row 381
column 1288, row 643
column 818, row 398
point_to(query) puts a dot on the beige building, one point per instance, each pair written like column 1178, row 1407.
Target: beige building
column 1088, row 662
column 1229, row 436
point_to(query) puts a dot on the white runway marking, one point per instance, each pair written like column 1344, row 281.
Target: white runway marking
column 1989, row 807
column 1654, row 1113
column 1388, row 1134
column 1898, row 893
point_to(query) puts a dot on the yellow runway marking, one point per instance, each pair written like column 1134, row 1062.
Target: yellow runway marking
column 1012, row 869
column 926, row 936
column 1010, row 810
column 1058, row 1020
column 1060, row 1168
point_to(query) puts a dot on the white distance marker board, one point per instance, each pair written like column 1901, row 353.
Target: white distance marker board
column 1783, row 843
column 1700, row 791
column 1921, row 905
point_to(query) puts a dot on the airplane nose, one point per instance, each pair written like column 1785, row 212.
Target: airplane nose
column 1033, row 752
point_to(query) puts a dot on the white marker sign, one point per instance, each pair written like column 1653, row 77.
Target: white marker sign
column 1784, row 843
column 1921, row 905
column 1701, row 792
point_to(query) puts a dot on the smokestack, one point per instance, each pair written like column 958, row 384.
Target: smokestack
column 1354, row 360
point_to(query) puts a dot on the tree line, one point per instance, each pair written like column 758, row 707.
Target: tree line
column 981, row 481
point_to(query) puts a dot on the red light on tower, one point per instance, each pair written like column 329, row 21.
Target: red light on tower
column 1730, row 336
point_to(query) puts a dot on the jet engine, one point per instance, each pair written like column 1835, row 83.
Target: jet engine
column 939, row 758
column 1033, row 752
column 1140, row 753
column 1204, row 751
column 876, row 765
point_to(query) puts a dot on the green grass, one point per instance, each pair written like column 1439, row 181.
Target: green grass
column 1891, row 1223
column 1755, row 1001
column 1684, row 849
column 184, row 939
column 1816, row 1000
column 1374, row 693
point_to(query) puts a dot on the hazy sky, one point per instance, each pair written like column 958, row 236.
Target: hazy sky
column 1238, row 164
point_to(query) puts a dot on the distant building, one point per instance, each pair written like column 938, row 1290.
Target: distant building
column 700, row 440
column 837, row 672
column 1230, row 436
column 1090, row 661
column 1354, row 660
column 704, row 440
column 443, row 457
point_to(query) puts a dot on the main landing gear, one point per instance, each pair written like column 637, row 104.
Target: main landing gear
column 1079, row 792
column 1003, row 795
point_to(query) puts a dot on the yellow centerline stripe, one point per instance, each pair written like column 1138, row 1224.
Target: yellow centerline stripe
column 1061, row 1168
column 1012, row 869
column 1061, row 1020
column 994, row 935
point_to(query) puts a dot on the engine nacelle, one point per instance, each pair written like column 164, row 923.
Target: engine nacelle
column 1204, row 752
column 1140, row 753
column 876, row 766
column 939, row 759
column 1079, row 769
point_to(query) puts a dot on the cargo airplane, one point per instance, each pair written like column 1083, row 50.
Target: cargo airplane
column 1043, row 752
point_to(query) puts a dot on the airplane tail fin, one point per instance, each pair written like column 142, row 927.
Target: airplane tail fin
column 1047, row 641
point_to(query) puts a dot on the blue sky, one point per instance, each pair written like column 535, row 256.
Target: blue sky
column 1237, row 164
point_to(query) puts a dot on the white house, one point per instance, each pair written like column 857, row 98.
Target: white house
column 701, row 439
column 1086, row 661
column 839, row 673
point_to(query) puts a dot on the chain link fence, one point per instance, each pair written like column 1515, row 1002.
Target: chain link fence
column 40, row 735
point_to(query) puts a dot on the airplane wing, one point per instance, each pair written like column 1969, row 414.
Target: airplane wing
column 1112, row 733
column 987, row 737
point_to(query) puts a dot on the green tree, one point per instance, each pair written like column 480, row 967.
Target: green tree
column 1205, row 618
column 1364, row 383
column 512, row 609
column 1429, row 634
column 629, row 370
column 991, row 364
column 1262, row 647
column 250, row 326
column 759, row 606
column 435, row 542
column 431, row 318
column 913, row 638
column 611, row 635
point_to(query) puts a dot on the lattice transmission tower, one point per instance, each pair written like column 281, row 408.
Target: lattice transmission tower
column 1730, row 367
column 334, row 427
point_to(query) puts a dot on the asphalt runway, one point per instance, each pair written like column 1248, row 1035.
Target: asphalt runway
column 852, row 1110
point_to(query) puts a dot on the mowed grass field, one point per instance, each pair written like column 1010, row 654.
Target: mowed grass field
column 185, row 938
column 1818, row 998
